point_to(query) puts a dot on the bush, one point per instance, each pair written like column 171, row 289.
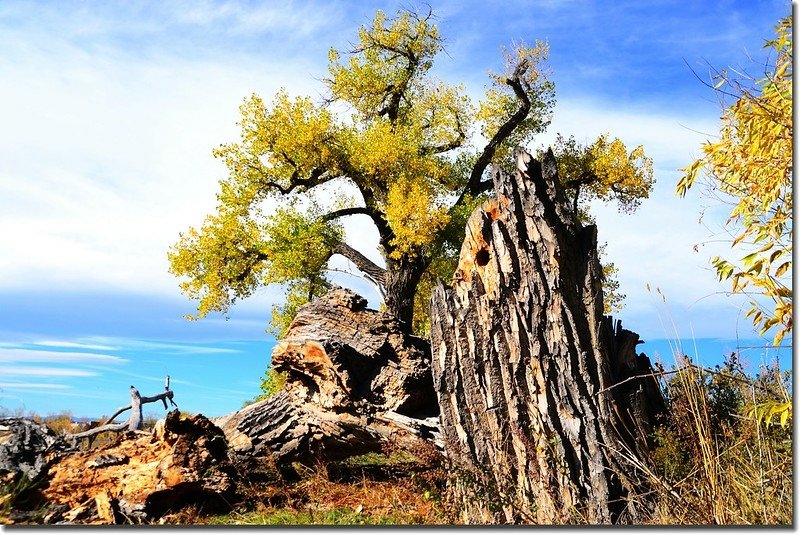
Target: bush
column 716, row 464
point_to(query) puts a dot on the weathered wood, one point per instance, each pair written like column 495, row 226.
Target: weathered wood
column 140, row 477
column 524, row 362
column 24, row 445
column 134, row 422
column 348, row 370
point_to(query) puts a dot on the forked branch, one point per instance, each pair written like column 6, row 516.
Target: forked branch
column 134, row 422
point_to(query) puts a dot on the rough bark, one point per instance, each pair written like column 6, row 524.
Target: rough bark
column 400, row 286
column 525, row 366
column 354, row 382
column 24, row 445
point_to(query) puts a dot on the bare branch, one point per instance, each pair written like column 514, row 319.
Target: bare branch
column 136, row 401
column 474, row 185
column 356, row 210
column 373, row 271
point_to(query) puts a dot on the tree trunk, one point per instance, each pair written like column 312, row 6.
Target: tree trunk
column 400, row 285
column 526, row 367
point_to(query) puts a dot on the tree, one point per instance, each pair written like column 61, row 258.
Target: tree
column 605, row 171
column 403, row 147
column 751, row 163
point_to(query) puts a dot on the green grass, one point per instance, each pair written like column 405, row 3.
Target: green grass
column 380, row 459
column 341, row 516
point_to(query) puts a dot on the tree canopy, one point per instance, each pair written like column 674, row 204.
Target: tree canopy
column 751, row 165
column 403, row 141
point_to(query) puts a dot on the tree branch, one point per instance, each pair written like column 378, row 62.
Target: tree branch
column 454, row 144
column 346, row 212
column 438, row 149
column 475, row 186
column 375, row 273
column 135, row 418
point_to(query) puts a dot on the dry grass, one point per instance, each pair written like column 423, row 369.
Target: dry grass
column 315, row 499
column 720, row 467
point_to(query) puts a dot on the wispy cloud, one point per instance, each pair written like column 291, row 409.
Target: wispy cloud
column 33, row 355
column 75, row 345
column 300, row 19
column 27, row 371
column 126, row 344
column 33, row 386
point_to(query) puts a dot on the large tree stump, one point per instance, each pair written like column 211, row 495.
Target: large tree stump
column 355, row 382
column 526, row 367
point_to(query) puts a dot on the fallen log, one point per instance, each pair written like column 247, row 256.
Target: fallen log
column 540, row 417
column 355, row 382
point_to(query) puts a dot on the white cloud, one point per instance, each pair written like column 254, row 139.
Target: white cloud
column 32, row 355
column 106, row 157
column 27, row 371
column 127, row 344
column 74, row 345
column 33, row 386
column 105, row 154
column 300, row 19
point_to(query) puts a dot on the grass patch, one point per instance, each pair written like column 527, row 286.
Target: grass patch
column 394, row 458
column 340, row 516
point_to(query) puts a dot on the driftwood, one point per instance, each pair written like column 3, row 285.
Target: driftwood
column 134, row 422
column 354, row 384
column 539, row 418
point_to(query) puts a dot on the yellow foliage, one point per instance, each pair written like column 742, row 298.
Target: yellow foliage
column 751, row 163
column 232, row 255
column 279, row 145
column 402, row 142
column 381, row 62
column 766, row 412
column 605, row 170
column 628, row 175
column 414, row 216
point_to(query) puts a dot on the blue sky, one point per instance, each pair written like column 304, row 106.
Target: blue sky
column 110, row 111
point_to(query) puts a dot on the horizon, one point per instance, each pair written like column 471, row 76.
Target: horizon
column 115, row 109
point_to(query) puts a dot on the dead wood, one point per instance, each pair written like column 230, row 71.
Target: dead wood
column 524, row 362
column 355, row 382
column 134, row 422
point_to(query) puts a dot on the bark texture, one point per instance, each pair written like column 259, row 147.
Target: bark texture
column 24, row 448
column 354, row 382
column 526, row 367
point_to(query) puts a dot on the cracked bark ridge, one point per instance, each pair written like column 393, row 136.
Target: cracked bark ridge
column 525, row 366
column 354, row 381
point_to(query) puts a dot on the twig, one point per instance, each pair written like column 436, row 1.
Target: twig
column 671, row 372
